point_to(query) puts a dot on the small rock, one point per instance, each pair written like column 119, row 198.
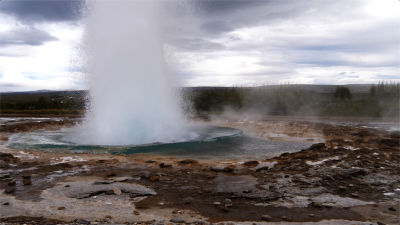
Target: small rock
column 150, row 161
column 380, row 223
column 265, row 186
column 392, row 208
column 355, row 195
column 154, row 178
column 316, row 204
column 6, row 203
column 8, row 157
column 144, row 174
column 163, row 165
column 390, row 142
column 67, row 185
column 121, row 179
column 117, row 191
column 81, row 221
column 217, row 169
column 217, row 203
column 177, row 220
column 11, row 183
column 266, row 217
column 188, row 161
column 252, row 163
column 188, row 200
column 284, row 218
column 10, row 189
column 260, row 168
column 61, row 208
column 107, row 219
column 311, row 215
column 228, row 202
column 161, row 203
column 26, row 180
column 136, row 212
column 109, row 192
column 229, row 169
column 317, row 146
column 3, row 164
column 342, row 188
column 4, row 175
column 111, row 174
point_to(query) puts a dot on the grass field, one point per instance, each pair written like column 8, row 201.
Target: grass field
column 380, row 100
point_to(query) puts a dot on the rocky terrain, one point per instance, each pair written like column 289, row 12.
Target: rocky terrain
column 352, row 176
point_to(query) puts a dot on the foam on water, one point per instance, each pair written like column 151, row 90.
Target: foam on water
column 133, row 98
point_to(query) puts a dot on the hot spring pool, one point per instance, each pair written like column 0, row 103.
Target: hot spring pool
column 211, row 142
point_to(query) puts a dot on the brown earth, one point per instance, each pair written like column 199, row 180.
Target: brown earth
column 354, row 175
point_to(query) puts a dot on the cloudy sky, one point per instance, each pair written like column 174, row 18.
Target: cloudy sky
column 216, row 42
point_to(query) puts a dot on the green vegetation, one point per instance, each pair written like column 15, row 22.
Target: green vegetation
column 217, row 100
column 380, row 100
column 56, row 102
column 342, row 93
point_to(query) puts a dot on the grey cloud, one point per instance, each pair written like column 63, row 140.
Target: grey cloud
column 226, row 15
column 219, row 16
column 195, row 44
column 225, row 6
column 332, row 59
column 375, row 38
column 25, row 36
column 288, row 46
column 6, row 86
column 379, row 41
column 32, row 11
column 216, row 17
column 270, row 72
column 6, row 54
column 217, row 26
column 348, row 74
column 388, row 77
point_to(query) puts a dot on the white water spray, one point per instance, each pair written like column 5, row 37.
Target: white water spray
column 133, row 99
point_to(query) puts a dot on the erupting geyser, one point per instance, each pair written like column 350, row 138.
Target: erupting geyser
column 134, row 103
column 133, row 99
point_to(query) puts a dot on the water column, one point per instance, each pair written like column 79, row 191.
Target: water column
column 133, row 99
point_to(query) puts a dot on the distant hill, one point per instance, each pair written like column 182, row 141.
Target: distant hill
column 43, row 102
column 298, row 99
column 43, row 92
column 316, row 88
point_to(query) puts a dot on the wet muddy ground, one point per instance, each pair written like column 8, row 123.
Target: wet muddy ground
column 350, row 175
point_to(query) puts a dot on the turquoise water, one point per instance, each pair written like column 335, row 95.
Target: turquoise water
column 211, row 142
